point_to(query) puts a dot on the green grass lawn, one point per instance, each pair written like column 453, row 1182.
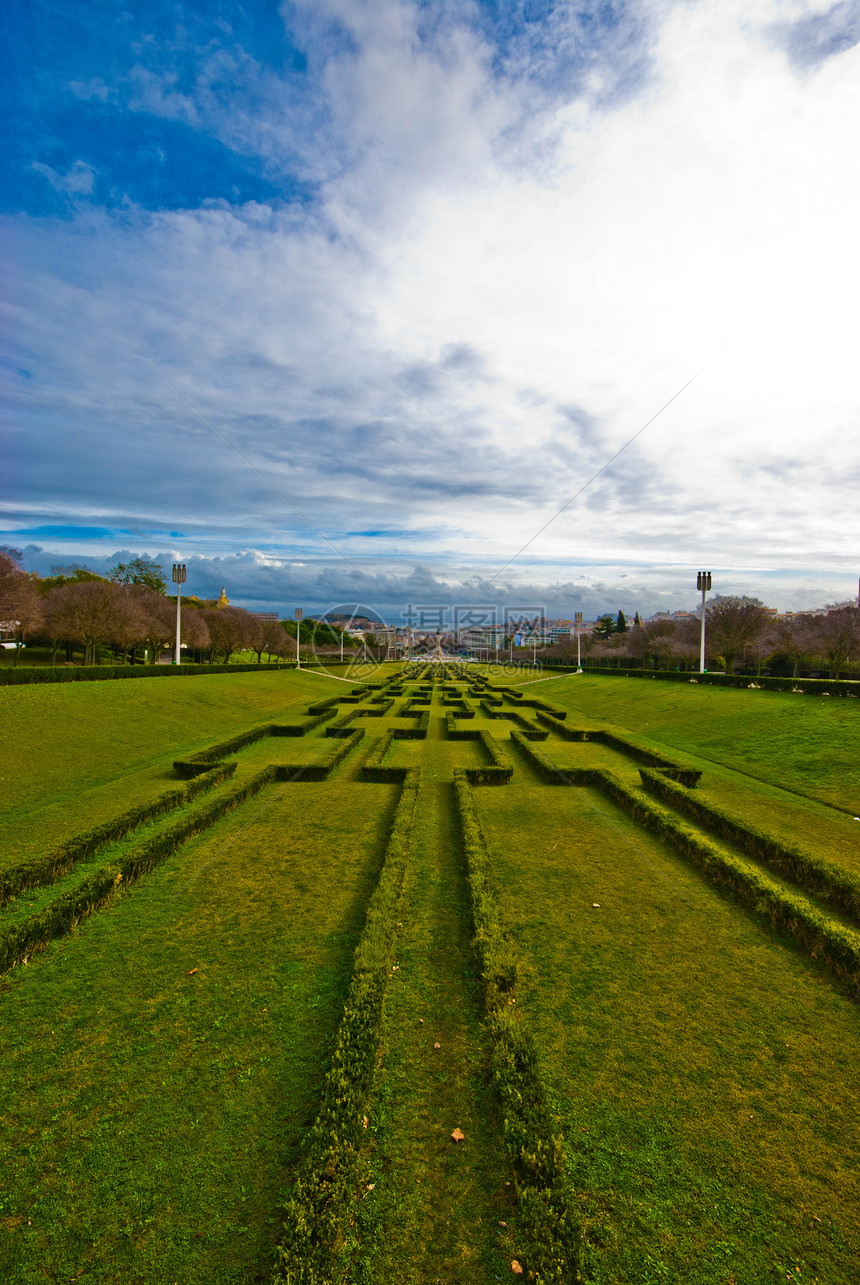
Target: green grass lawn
column 161, row 1066
column 151, row 1113
column 705, row 1072
column 77, row 754
column 809, row 744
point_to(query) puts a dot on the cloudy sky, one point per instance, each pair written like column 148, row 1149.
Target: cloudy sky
column 345, row 300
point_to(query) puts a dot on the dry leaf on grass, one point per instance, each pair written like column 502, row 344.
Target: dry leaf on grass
column 192, row 971
column 516, row 1268
column 458, row 1135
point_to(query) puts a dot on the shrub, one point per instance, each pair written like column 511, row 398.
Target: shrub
column 548, row 1227
column 48, row 868
column 321, row 1195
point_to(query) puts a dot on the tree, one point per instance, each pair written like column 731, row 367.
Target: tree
column 605, row 626
column 794, row 638
column 140, row 571
column 732, row 623
column 157, row 616
column 229, row 629
column 21, row 611
column 835, row 636
column 620, row 623
column 90, row 612
column 195, row 630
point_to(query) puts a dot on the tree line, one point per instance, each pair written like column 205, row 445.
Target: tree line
column 738, row 631
column 129, row 614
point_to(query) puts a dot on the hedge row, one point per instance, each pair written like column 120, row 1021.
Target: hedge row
column 373, row 768
column 544, row 766
column 549, row 1228
column 814, row 874
column 501, row 769
column 534, row 702
column 815, row 931
column 205, row 759
column 48, row 868
column 62, row 916
column 810, row 686
column 100, row 673
column 639, row 753
column 319, row 1203
column 329, row 757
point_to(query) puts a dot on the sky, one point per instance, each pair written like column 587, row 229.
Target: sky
column 513, row 304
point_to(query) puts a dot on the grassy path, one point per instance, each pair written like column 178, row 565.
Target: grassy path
column 434, row 1211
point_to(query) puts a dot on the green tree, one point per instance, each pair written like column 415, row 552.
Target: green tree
column 620, row 623
column 141, row 571
column 605, row 626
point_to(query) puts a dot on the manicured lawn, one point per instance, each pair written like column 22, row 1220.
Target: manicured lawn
column 150, row 1111
column 810, row 744
column 77, row 754
column 161, row 1067
column 705, row 1072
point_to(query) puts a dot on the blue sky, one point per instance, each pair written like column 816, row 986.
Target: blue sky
column 343, row 300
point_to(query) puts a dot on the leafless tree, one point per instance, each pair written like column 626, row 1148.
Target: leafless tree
column 794, row 638
column 91, row 612
column 731, row 625
column 195, row 630
column 21, row 608
column 835, row 635
column 229, row 630
column 158, row 618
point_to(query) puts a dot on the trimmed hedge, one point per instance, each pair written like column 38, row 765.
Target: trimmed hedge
column 549, row 1229
column 100, row 673
column 501, row 769
column 808, row 686
column 319, row 1203
column 639, row 753
column 320, row 767
column 205, row 759
column 63, row 915
column 48, row 868
column 814, row 874
column 818, row 934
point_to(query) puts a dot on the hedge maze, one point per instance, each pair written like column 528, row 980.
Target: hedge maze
column 480, row 915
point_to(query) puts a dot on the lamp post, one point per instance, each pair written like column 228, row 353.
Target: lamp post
column 298, row 632
column 179, row 581
column 703, row 582
column 577, row 621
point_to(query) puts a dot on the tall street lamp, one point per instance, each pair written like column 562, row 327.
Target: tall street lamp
column 298, row 632
column 179, row 581
column 577, row 619
column 703, row 582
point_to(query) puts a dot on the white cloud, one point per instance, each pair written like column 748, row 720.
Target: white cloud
column 500, row 283
column 77, row 181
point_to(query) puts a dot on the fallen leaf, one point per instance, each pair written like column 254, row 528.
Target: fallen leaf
column 503, row 1224
column 516, row 1268
column 370, row 1186
column 458, row 1135
column 192, row 971
column 596, row 905
column 365, row 1122
column 437, row 1045
column 421, row 1020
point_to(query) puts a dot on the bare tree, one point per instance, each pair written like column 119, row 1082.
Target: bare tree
column 794, row 638
column 158, row 618
column 91, row 612
column 21, row 608
column 276, row 641
column 195, row 630
column 836, row 635
column 229, row 629
column 731, row 625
